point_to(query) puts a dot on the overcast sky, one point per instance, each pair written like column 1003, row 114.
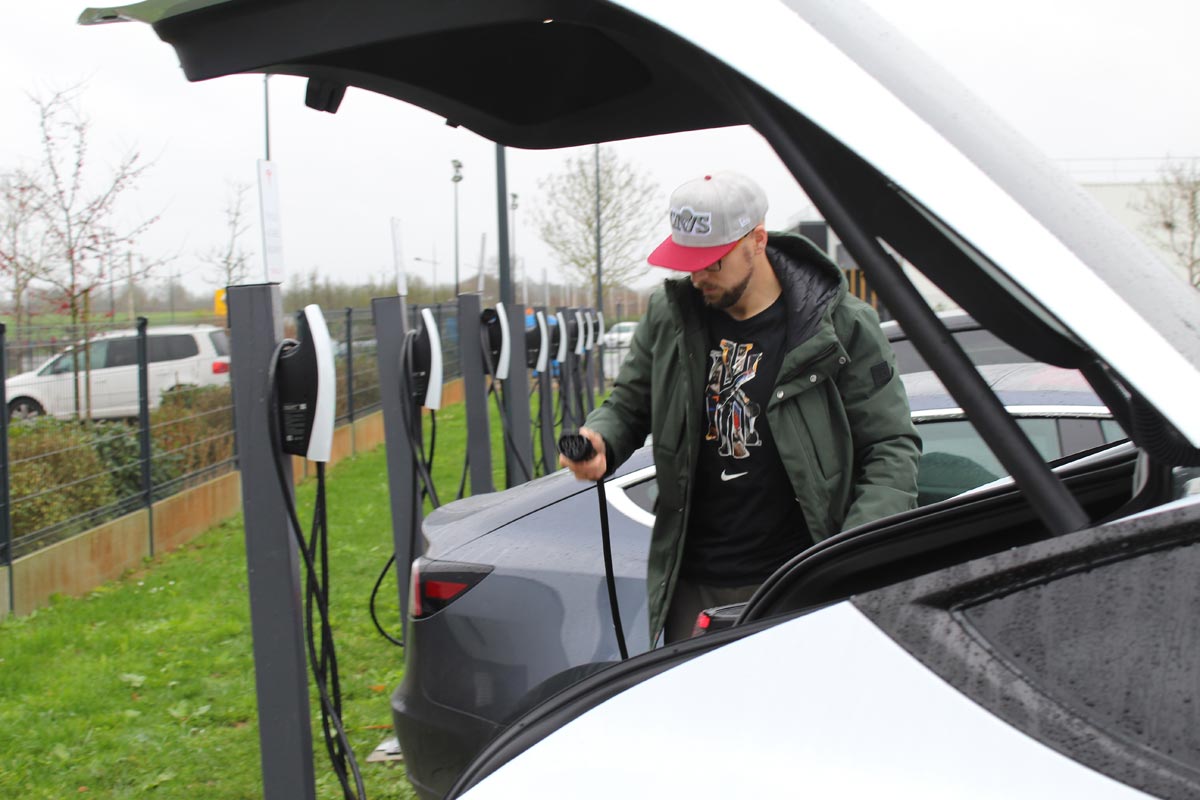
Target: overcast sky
column 1106, row 80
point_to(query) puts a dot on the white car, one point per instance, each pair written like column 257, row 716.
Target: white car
column 620, row 335
column 178, row 356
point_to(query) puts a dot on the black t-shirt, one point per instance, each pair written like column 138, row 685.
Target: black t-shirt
column 744, row 520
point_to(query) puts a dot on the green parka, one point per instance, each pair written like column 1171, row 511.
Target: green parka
column 838, row 410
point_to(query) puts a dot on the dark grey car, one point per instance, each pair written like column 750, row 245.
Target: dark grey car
column 509, row 601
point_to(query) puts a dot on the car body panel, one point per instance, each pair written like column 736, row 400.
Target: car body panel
column 824, row 705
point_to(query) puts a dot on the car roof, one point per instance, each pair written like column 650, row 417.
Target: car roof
column 160, row 329
column 955, row 320
column 1025, row 385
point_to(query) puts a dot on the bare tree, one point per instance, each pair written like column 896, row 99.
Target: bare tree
column 566, row 217
column 230, row 264
column 1172, row 210
column 22, row 240
column 77, row 210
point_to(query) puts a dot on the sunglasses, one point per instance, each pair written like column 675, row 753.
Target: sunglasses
column 716, row 267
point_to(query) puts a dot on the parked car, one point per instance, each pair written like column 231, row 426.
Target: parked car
column 529, row 612
column 620, row 334
column 106, row 367
column 1061, row 604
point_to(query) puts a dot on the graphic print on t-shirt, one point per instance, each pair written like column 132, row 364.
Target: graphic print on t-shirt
column 730, row 411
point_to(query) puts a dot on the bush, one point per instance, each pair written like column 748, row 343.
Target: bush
column 194, row 426
column 119, row 448
column 56, row 474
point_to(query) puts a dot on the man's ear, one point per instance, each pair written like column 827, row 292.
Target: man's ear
column 759, row 236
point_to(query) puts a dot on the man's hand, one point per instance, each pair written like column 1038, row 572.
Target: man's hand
column 594, row 468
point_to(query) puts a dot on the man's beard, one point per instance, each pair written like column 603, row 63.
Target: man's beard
column 729, row 297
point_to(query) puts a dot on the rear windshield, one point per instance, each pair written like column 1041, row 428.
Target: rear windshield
column 220, row 342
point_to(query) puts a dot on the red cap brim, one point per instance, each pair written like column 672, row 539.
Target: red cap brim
column 688, row 259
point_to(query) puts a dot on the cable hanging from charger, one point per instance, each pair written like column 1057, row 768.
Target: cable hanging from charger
column 322, row 659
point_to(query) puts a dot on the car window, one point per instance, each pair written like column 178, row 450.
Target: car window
column 220, row 340
column 955, row 458
column 61, row 364
column 981, row 346
column 70, row 360
column 1111, row 431
column 122, row 352
column 644, row 494
column 172, row 347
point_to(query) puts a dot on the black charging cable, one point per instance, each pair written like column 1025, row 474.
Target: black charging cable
column 315, row 552
column 576, row 447
column 495, row 390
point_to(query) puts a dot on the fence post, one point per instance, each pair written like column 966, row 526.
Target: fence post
column 5, row 483
column 350, row 375
column 143, row 356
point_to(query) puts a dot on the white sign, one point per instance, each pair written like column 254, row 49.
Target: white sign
column 272, row 229
column 398, row 259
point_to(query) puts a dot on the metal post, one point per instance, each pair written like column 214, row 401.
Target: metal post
column 588, row 364
column 391, row 322
column 143, row 357
column 506, row 287
column 567, row 377
column 267, row 115
column 546, row 410
column 517, row 409
column 6, row 482
column 470, row 360
column 350, row 375
column 456, row 179
column 272, row 558
column 599, row 281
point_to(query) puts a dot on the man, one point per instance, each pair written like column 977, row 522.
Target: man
column 777, row 415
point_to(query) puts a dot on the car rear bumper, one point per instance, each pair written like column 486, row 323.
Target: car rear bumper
column 438, row 742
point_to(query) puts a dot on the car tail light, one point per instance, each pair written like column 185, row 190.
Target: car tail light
column 220, row 367
column 436, row 584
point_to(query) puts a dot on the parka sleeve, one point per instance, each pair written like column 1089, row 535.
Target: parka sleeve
column 623, row 419
column 887, row 447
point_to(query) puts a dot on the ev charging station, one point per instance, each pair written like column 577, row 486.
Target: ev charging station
column 546, row 350
column 568, row 334
column 492, row 343
column 589, row 361
column 410, row 378
column 304, row 391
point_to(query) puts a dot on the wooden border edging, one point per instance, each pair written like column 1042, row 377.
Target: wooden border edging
column 78, row 565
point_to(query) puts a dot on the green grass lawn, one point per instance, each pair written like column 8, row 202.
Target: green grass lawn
column 146, row 685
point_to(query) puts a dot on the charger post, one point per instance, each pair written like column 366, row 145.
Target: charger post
column 272, row 560
column 546, row 395
column 470, row 358
column 516, row 401
column 391, row 324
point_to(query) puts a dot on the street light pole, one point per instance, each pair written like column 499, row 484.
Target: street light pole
column 515, row 260
column 456, row 179
column 433, row 264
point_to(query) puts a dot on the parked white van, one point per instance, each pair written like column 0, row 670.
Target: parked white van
column 178, row 356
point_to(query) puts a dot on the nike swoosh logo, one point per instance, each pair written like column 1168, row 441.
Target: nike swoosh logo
column 725, row 477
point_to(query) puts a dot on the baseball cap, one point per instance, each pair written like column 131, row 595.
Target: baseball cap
column 709, row 215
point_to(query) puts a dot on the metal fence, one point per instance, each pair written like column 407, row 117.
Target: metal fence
column 111, row 418
column 107, row 419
